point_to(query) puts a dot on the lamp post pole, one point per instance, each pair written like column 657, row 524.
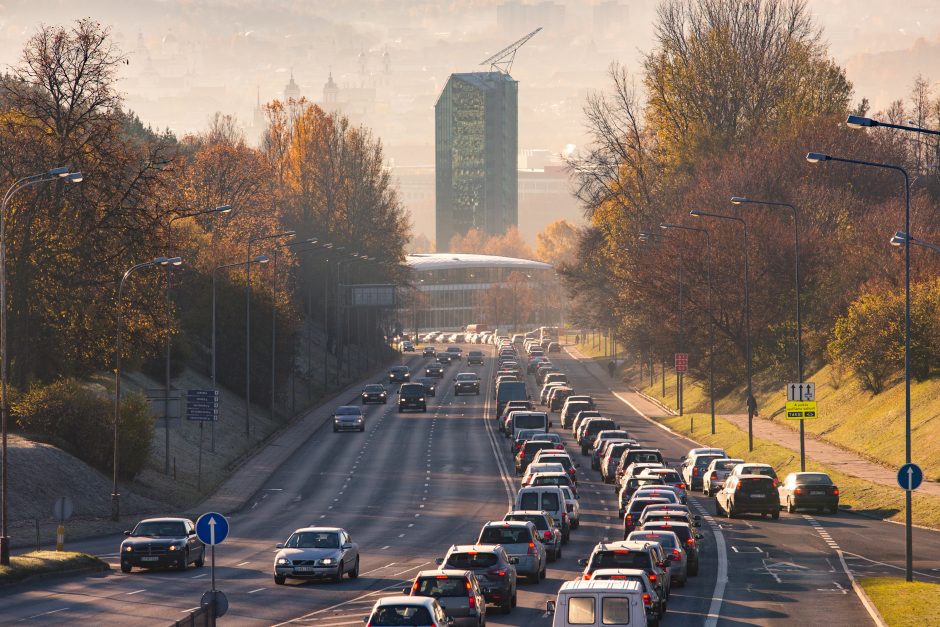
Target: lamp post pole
column 169, row 342
column 816, row 157
column 22, row 183
column 258, row 259
column 159, row 261
column 248, row 325
column 751, row 403
column 738, row 200
column 711, row 312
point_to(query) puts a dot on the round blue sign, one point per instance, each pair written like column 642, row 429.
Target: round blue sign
column 910, row 476
column 212, row 528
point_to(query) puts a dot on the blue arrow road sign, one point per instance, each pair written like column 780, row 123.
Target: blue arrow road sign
column 212, row 528
column 910, row 476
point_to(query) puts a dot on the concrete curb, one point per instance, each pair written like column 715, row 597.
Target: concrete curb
column 869, row 605
column 657, row 402
column 58, row 574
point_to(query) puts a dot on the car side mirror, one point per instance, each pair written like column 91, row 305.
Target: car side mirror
column 513, row 560
column 549, row 425
column 279, row 545
column 450, row 620
column 696, row 517
column 439, row 561
column 622, row 512
column 406, row 591
column 577, row 465
column 663, row 563
column 347, row 546
column 699, row 536
column 127, row 532
column 550, row 607
column 582, row 562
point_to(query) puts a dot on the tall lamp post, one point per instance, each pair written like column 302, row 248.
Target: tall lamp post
column 168, row 347
column 817, row 157
column 312, row 240
column 751, row 403
column 740, row 200
column 711, row 311
column 258, row 259
column 22, row 183
column 680, row 377
column 159, row 261
column 251, row 241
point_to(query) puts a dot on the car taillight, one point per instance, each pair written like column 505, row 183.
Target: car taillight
column 560, row 447
column 646, row 599
column 835, row 491
column 564, row 516
column 798, row 491
column 738, row 487
column 690, row 542
column 677, row 553
column 587, row 576
column 497, row 573
column 776, row 483
column 571, row 470
column 652, row 578
column 532, row 550
column 547, row 535
column 681, row 486
column 473, row 602
column 695, row 471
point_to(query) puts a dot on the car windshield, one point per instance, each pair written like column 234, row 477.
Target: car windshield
column 505, row 535
column 670, row 477
column 529, row 421
column 728, row 465
column 427, row 381
column 531, row 446
column 639, row 504
column 467, row 377
column 539, row 521
column 647, row 458
column 702, row 461
column 348, row 410
column 546, row 437
column 400, row 615
column 564, row 460
column 313, row 540
column 758, row 470
column 472, row 559
column 599, row 425
column 665, row 539
column 620, row 558
column 399, row 369
column 819, row 479
column 551, row 480
column 167, row 529
column 374, row 388
column 755, row 484
column 442, row 586
column 550, row 502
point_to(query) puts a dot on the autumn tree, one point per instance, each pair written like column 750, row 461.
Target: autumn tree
column 509, row 244
column 558, row 243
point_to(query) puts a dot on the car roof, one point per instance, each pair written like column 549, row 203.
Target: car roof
column 614, row 585
column 470, row 548
column 807, row 474
column 427, row 602
column 164, row 519
column 755, row 465
column 450, row 572
column 319, row 529
column 529, row 512
column 356, row 407
column 507, row 523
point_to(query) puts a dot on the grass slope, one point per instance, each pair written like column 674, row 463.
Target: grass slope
column 903, row 604
column 46, row 562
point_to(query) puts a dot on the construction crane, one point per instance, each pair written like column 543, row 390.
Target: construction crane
column 502, row 60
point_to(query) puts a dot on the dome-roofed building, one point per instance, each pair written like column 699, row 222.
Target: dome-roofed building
column 452, row 290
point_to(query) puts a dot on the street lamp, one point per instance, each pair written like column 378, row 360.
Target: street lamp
column 711, row 312
column 168, row 347
column 740, row 200
column 311, row 240
column 646, row 236
column 817, row 157
column 19, row 184
column 159, row 261
column 252, row 240
column 258, row 259
column 858, row 121
column 751, row 403
column 900, row 237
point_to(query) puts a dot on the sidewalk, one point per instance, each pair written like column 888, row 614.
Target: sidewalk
column 251, row 476
column 816, row 450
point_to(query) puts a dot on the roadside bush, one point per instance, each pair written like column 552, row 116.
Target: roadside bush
column 80, row 421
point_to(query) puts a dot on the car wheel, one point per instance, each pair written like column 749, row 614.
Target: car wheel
column 280, row 579
column 775, row 515
column 338, row 577
column 693, row 569
column 125, row 567
column 565, row 537
column 584, row 450
column 354, row 573
column 575, row 523
column 834, row 510
column 513, row 600
column 558, row 553
column 791, row 508
column 542, row 573
column 184, row 561
column 335, row 429
column 552, row 556
column 730, row 510
column 718, row 510
column 199, row 563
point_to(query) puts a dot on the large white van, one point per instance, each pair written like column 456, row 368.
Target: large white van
column 598, row 603
column 546, row 498
column 527, row 420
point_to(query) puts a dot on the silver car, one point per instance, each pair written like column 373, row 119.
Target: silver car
column 716, row 473
column 349, row 418
column 548, row 533
column 458, row 593
column 520, row 539
column 316, row 552
column 672, row 546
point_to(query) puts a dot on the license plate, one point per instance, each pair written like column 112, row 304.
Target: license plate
column 149, row 558
column 817, row 493
column 303, row 569
column 758, row 496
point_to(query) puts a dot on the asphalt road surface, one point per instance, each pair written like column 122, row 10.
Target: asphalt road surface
column 413, row 484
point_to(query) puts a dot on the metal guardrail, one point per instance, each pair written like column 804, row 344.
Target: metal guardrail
column 203, row 617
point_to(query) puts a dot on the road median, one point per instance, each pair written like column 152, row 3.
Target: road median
column 901, row 603
column 43, row 564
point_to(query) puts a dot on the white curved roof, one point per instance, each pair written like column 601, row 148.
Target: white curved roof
column 424, row 262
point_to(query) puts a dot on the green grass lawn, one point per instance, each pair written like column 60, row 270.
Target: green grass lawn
column 903, row 604
column 40, row 562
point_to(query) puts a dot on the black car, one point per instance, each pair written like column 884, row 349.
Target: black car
column 157, row 542
column 430, row 386
column 429, row 351
column 434, row 370
column 374, row 393
column 444, row 358
column 475, row 358
column 466, row 382
column 748, row 494
column 411, row 396
column 398, row 374
column 809, row 490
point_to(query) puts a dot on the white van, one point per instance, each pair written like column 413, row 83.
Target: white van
column 598, row 603
column 546, row 498
column 527, row 420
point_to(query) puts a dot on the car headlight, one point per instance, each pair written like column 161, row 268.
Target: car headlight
column 283, row 561
column 421, row 399
column 359, row 419
column 327, row 561
column 128, row 548
column 174, row 547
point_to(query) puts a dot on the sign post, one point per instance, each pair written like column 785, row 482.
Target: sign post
column 910, row 476
column 212, row 528
column 62, row 510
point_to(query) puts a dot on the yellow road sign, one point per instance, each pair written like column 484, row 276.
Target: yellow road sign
column 801, row 410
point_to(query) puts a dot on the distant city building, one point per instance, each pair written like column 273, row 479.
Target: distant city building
column 476, row 160
column 292, row 90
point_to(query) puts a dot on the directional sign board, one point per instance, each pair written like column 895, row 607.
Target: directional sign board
column 62, row 509
column 212, row 528
column 910, row 476
column 801, row 391
column 801, row 410
column 682, row 362
column 202, row 405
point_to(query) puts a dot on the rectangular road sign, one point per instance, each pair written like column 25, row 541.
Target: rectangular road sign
column 801, row 410
column 682, row 362
column 801, row 391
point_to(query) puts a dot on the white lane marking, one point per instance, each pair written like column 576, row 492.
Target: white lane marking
column 401, row 535
column 242, row 563
column 199, row 576
column 386, row 547
column 137, row 591
column 256, row 590
column 375, row 570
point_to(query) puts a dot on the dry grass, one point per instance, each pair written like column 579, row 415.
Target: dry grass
column 41, row 562
column 903, row 604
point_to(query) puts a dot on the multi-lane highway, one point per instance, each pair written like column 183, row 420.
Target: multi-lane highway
column 413, row 484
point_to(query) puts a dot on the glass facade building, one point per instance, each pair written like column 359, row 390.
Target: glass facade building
column 476, row 163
